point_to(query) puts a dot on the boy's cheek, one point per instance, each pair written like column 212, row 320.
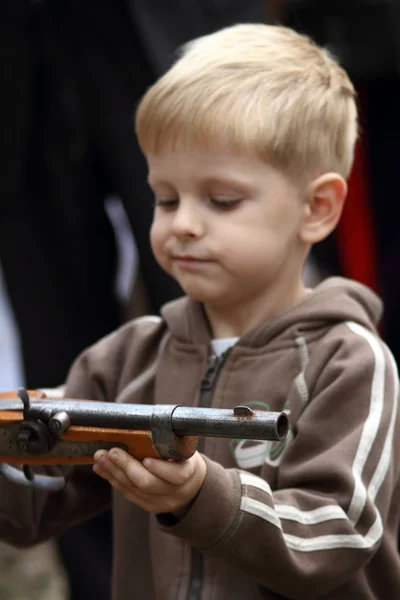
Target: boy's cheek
column 156, row 237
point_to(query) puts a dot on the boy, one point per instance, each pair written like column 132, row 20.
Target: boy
column 249, row 140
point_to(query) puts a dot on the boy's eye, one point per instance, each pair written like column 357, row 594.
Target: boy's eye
column 172, row 203
column 220, row 203
column 167, row 203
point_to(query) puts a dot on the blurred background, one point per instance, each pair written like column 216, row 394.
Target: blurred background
column 75, row 209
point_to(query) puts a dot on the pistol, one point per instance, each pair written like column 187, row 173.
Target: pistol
column 39, row 430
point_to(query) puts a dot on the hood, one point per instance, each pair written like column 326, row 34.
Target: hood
column 334, row 300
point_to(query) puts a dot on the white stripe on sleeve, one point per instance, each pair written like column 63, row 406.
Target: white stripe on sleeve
column 360, row 492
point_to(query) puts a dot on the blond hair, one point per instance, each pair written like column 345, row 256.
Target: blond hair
column 258, row 89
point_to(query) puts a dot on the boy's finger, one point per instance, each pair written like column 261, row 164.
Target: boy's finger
column 173, row 472
column 118, row 479
column 133, row 471
column 113, row 474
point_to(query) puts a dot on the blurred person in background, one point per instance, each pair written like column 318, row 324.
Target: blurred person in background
column 71, row 74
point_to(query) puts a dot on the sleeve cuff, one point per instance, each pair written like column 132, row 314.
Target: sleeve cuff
column 214, row 511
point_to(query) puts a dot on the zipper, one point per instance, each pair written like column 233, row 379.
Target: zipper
column 207, row 384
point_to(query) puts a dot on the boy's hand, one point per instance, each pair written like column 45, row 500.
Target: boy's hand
column 155, row 485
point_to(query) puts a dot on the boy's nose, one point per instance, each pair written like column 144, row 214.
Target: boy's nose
column 187, row 222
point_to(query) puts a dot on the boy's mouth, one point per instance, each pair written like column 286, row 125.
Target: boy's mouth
column 188, row 258
column 190, row 261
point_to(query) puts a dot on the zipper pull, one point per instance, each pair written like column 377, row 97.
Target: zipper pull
column 207, row 379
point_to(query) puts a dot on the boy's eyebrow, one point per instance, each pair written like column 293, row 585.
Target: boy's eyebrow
column 152, row 181
column 234, row 182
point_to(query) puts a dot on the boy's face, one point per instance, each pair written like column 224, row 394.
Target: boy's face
column 226, row 227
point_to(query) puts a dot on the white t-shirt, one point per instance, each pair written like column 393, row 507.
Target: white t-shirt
column 219, row 345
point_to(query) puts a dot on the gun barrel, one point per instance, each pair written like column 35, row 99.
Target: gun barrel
column 184, row 420
column 219, row 422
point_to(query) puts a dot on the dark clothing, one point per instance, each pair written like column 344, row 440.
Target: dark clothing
column 73, row 72
column 346, row 28
column 164, row 26
column 383, row 138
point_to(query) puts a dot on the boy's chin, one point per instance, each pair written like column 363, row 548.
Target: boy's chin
column 198, row 297
column 209, row 299
column 199, row 294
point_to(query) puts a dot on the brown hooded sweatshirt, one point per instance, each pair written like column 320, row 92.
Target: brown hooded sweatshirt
column 315, row 516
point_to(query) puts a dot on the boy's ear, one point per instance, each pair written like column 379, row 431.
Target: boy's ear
column 323, row 207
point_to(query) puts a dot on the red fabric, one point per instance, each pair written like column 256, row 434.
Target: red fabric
column 356, row 236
